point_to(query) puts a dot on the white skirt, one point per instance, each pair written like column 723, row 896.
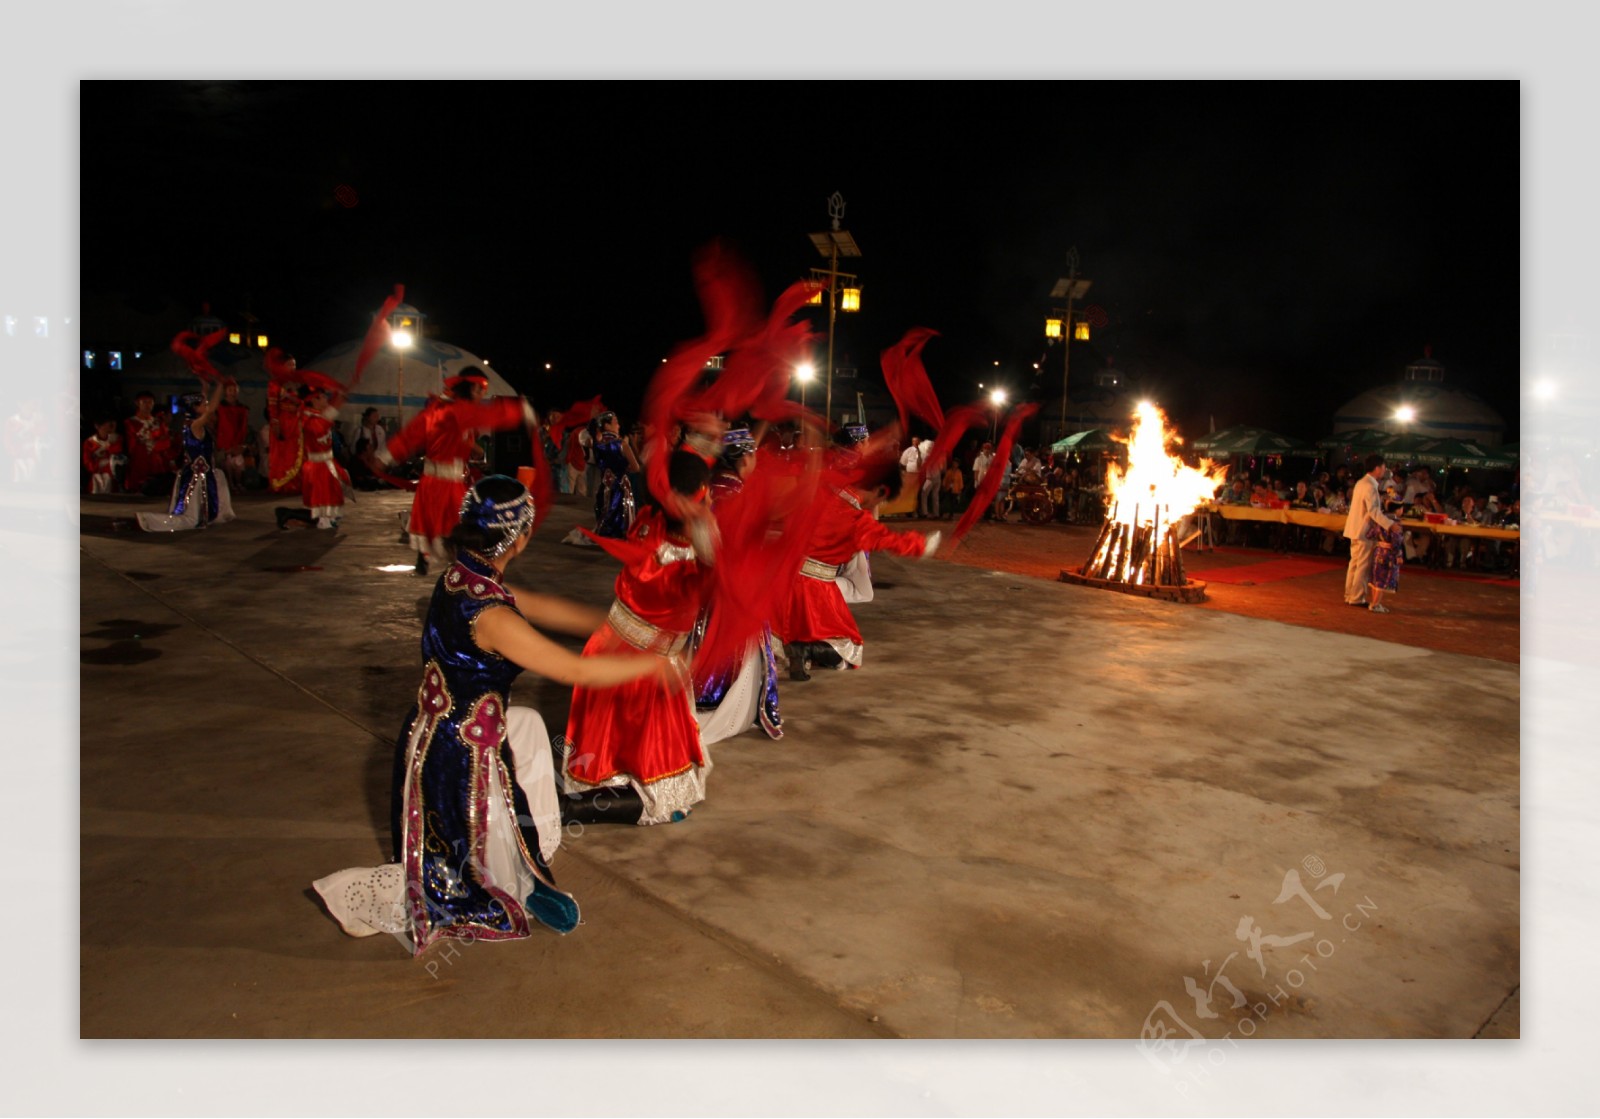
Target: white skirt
column 371, row 900
column 190, row 517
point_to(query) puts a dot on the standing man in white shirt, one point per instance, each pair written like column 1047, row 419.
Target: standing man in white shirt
column 1366, row 505
column 981, row 464
column 928, row 495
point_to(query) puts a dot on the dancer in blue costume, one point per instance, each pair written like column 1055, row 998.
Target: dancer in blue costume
column 732, row 697
column 476, row 816
column 200, row 496
column 613, row 499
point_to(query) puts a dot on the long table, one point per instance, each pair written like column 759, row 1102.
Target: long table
column 1335, row 521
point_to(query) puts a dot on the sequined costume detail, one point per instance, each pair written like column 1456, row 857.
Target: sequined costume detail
column 200, row 496
column 613, row 499
column 458, row 798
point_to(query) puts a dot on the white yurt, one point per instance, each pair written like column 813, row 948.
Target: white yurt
column 1440, row 411
column 401, row 379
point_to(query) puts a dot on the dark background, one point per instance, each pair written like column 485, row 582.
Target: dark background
column 1263, row 251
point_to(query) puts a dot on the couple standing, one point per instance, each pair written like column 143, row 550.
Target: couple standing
column 1377, row 542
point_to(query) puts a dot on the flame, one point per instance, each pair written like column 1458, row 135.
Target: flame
column 1156, row 479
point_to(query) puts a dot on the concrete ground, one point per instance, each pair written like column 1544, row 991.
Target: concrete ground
column 1038, row 811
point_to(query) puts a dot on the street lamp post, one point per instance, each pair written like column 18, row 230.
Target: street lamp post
column 998, row 399
column 804, row 374
column 1070, row 288
column 833, row 244
column 402, row 327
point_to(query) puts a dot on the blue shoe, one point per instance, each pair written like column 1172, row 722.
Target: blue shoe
column 552, row 908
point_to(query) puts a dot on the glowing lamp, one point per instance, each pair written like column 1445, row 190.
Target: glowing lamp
column 401, row 339
column 1052, row 329
column 806, row 372
column 234, row 338
column 261, row 341
column 1080, row 330
column 816, row 297
column 1405, row 413
column 850, row 299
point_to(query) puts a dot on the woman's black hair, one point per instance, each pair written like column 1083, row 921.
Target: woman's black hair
column 892, row 482
column 472, row 538
column 688, row 473
column 462, row 389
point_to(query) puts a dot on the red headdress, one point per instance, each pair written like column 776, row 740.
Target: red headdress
column 476, row 377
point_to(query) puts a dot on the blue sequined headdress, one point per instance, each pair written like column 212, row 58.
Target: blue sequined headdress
column 501, row 521
column 191, row 403
column 737, row 441
column 855, row 433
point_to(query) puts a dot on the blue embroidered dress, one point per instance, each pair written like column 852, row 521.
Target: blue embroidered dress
column 200, row 495
column 613, row 499
column 467, row 847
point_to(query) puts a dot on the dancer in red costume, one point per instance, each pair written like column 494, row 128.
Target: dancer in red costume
column 815, row 624
column 100, row 454
column 233, row 432
column 286, row 454
column 322, row 480
column 633, row 754
column 446, row 434
column 149, row 443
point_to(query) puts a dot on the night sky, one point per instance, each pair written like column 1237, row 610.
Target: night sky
column 1263, row 251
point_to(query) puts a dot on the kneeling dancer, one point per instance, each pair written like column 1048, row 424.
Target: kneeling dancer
column 633, row 755
column 474, row 817
column 816, row 626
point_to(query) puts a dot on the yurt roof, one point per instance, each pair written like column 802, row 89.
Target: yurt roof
column 1441, row 412
column 419, row 372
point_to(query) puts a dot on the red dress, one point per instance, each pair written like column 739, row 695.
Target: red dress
column 322, row 480
column 233, row 428
column 286, row 453
column 446, row 434
column 149, row 446
column 815, row 609
column 644, row 733
column 97, row 454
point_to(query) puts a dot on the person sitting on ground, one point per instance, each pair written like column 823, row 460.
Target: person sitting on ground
column 101, row 452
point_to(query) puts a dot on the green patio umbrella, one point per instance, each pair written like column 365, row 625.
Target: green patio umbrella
column 1206, row 442
column 1360, row 439
column 1253, row 441
column 1459, row 452
column 1094, row 441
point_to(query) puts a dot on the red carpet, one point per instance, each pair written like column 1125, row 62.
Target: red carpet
column 1292, row 567
column 1268, row 571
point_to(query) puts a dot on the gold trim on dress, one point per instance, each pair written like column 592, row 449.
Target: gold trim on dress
column 641, row 634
